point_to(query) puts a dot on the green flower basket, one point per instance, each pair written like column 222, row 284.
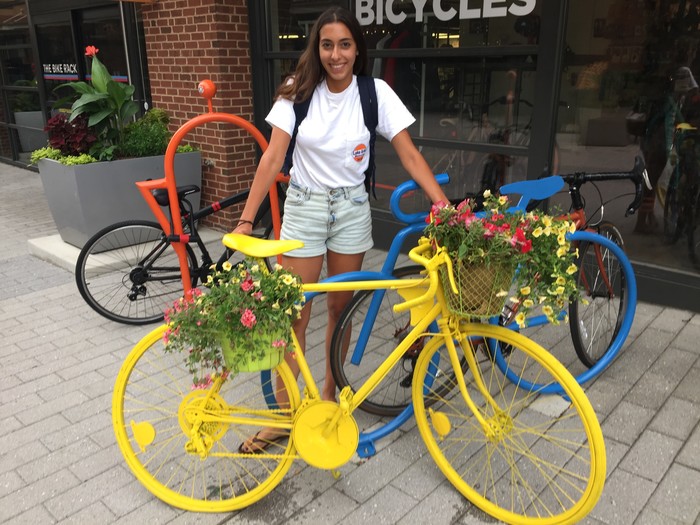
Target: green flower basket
column 479, row 286
column 253, row 352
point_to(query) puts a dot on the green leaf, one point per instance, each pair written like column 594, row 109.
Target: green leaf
column 88, row 99
column 98, row 117
column 80, row 87
column 116, row 93
column 128, row 110
column 100, row 75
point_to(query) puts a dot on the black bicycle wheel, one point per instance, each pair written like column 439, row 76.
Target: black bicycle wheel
column 129, row 273
column 387, row 330
column 596, row 318
column 694, row 231
column 673, row 215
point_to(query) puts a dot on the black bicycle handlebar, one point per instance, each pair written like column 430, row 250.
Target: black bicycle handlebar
column 638, row 175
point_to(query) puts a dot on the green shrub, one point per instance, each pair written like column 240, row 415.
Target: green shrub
column 148, row 136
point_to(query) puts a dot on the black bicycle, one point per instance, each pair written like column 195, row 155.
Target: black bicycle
column 682, row 197
column 129, row 273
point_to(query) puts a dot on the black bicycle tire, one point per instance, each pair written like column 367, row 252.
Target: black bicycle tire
column 673, row 212
column 337, row 365
column 83, row 280
column 577, row 322
column 693, row 230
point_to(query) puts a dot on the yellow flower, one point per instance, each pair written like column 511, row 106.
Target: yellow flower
column 528, row 303
column 559, row 290
column 502, row 293
column 255, row 268
column 502, row 200
column 520, row 319
column 547, row 310
column 487, row 194
column 546, row 220
column 561, row 281
column 210, row 279
column 572, row 269
column 525, row 290
column 548, row 231
column 562, row 251
column 537, row 232
column 288, row 311
column 227, row 266
column 572, row 227
column 278, row 267
column 561, row 239
column 275, row 306
column 514, row 300
column 287, row 279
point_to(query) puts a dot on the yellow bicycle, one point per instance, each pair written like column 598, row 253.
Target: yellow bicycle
column 520, row 456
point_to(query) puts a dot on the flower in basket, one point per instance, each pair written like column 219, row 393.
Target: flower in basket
column 497, row 250
column 245, row 315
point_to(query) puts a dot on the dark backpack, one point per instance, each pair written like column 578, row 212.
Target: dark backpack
column 370, row 112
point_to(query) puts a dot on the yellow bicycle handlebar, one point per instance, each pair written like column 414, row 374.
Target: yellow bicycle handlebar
column 431, row 263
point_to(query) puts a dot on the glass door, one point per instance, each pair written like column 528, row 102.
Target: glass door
column 21, row 115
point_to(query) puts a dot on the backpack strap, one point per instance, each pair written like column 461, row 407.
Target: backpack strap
column 370, row 111
column 300, row 111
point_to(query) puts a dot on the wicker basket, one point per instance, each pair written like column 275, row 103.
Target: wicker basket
column 478, row 287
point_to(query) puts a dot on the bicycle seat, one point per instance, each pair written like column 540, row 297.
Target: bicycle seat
column 532, row 190
column 161, row 195
column 260, row 248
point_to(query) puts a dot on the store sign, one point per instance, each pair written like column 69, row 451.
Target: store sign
column 369, row 11
column 61, row 69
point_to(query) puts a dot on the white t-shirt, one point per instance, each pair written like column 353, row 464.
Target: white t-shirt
column 332, row 145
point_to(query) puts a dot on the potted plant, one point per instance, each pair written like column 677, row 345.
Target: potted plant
column 495, row 249
column 97, row 152
column 242, row 323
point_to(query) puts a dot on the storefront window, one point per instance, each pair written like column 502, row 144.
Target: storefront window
column 22, row 120
column 626, row 57
column 473, row 110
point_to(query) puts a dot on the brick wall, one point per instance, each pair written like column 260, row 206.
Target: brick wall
column 186, row 42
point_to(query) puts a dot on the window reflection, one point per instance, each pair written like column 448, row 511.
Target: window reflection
column 629, row 76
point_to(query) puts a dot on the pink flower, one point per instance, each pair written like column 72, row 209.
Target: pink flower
column 202, row 384
column 247, row 285
column 280, row 343
column 90, row 51
column 258, row 295
column 248, row 318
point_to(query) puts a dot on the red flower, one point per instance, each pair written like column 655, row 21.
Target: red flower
column 90, row 51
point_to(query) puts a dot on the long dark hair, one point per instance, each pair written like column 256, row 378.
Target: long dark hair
column 309, row 71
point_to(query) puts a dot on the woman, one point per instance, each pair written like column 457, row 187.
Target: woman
column 327, row 205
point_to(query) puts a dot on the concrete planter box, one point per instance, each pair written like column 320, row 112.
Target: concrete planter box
column 85, row 198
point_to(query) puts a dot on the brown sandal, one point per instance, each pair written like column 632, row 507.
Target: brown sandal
column 258, row 445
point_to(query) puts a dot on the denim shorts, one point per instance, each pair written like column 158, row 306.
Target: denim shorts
column 338, row 220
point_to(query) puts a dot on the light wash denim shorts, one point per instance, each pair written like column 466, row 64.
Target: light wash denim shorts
column 338, row 220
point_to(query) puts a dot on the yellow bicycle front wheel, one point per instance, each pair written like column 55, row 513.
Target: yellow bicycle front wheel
column 533, row 458
column 198, row 467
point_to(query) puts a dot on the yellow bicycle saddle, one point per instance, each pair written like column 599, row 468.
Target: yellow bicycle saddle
column 255, row 247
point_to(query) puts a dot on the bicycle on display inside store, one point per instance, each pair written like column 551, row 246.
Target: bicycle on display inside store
column 681, row 200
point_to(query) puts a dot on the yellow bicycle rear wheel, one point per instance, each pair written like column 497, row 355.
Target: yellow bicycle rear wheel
column 536, row 459
column 153, row 412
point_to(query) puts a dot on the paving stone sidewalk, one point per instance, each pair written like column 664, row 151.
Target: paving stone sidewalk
column 59, row 462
